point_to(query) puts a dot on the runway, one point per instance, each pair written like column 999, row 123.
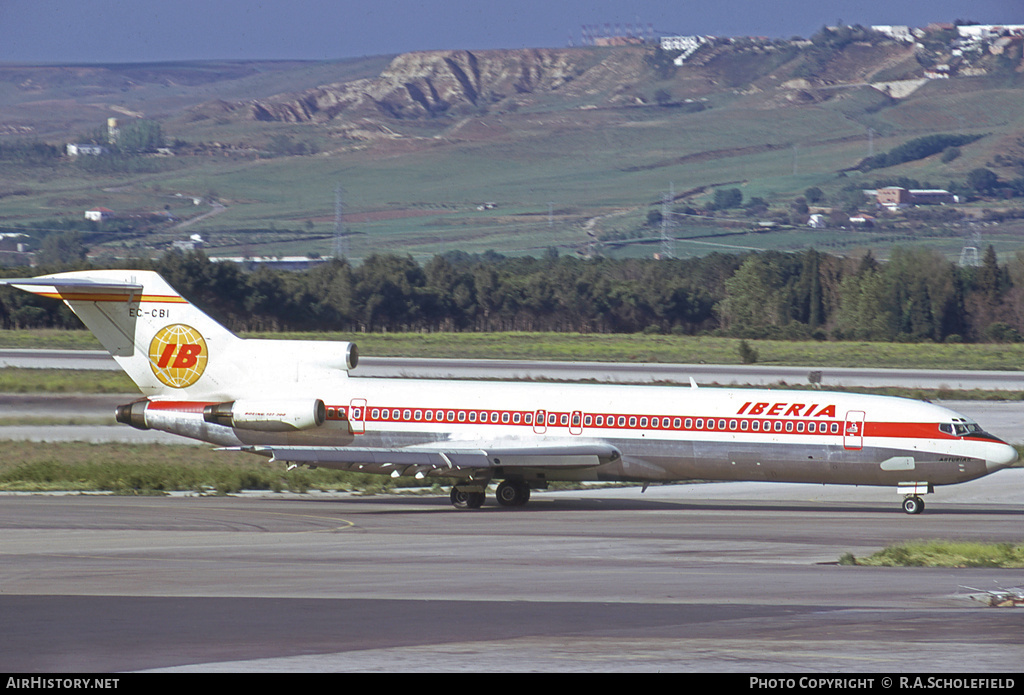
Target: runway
column 724, row 577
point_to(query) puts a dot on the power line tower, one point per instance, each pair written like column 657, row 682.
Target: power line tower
column 340, row 249
column 668, row 244
column 969, row 253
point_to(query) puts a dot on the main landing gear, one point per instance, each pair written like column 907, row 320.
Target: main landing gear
column 513, row 493
column 467, row 499
column 510, row 493
column 912, row 504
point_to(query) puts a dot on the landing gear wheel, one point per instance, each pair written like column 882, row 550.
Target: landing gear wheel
column 513, row 493
column 913, row 504
column 466, row 500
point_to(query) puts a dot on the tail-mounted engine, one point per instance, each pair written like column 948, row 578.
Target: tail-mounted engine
column 133, row 414
column 267, row 416
column 278, row 415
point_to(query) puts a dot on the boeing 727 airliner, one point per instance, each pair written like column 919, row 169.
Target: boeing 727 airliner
column 296, row 401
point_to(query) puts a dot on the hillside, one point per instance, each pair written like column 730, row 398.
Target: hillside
column 524, row 150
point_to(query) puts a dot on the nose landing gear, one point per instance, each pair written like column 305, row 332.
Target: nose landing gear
column 912, row 504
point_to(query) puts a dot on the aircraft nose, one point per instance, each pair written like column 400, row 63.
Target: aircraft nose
column 1000, row 456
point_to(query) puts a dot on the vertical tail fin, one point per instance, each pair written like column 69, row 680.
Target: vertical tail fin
column 161, row 340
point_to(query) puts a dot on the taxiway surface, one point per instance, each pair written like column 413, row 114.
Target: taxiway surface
column 729, row 577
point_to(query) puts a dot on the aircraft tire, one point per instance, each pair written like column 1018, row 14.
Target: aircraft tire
column 466, row 500
column 913, row 504
column 512, row 493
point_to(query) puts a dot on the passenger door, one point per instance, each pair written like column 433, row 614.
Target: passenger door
column 853, row 430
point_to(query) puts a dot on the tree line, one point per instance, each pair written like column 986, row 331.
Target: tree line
column 916, row 295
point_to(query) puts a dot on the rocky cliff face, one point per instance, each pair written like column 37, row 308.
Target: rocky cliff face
column 438, row 83
column 428, row 85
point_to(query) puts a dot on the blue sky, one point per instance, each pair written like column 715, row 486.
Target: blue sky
column 90, row 31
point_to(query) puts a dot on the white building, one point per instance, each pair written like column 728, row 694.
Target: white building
column 988, row 31
column 99, row 214
column 687, row 44
column 895, row 31
column 74, row 150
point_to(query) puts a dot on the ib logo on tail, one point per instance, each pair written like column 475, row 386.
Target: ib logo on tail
column 178, row 355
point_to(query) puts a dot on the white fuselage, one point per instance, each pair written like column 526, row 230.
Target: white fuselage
column 664, row 433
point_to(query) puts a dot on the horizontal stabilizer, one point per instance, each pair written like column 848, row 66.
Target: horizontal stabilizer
column 76, row 288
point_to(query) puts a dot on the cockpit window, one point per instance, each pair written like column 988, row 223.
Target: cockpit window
column 961, row 429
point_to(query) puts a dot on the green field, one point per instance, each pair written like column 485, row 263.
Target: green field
column 562, row 171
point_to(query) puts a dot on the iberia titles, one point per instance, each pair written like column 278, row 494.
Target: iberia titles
column 787, row 409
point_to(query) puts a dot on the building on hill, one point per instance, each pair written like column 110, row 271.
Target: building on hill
column 989, row 31
column 892, row 197
column 895, row 31
column 895, row 197
column 99, row 214
column 75, row 149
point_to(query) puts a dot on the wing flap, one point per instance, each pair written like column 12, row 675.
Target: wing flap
column 439, row 456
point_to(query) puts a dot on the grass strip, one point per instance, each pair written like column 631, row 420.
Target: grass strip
column 20, row 380
column 943, row 553
column 621, row 348
column 147, row 469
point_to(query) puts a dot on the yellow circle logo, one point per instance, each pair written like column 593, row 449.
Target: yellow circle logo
column 178, row 355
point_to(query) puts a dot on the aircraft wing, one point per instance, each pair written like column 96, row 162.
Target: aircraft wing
column 442, row 455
